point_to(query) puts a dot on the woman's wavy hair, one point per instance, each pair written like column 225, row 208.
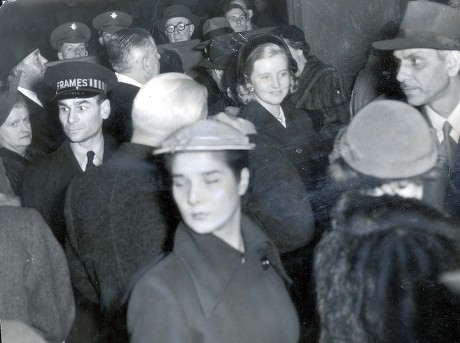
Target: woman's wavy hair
column 260, row 47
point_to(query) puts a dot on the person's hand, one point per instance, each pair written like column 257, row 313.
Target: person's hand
column 9, row 200
column 15, row 331
column 243, row 125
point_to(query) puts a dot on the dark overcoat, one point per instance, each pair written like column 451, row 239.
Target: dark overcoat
column 206, row 291
column 46, row 182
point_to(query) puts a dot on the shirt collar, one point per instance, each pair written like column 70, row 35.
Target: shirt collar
column 128, row 80
column 80, row 153
column 31, row 95
column 438, row 122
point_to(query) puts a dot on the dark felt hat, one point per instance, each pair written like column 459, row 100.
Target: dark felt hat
column 14, row 50
column 112, row 21
column 426, row 25
column 253, row 43
column 222, row 50
column 79, row 79
column 7, row 101
column 291, row 32
column 212, row 28
column 175, row 11
column 72, row 32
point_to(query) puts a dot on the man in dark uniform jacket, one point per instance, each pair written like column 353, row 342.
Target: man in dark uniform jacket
column 428, row 50
column 134, row 57
column 118, row 216
column 81, row 89
column 21, row 57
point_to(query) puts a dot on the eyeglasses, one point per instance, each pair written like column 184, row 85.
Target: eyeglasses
column 241, row 19
column 179, row 27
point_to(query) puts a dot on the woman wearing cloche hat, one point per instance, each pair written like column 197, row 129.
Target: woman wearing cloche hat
column 224, row 281
column 377, row 270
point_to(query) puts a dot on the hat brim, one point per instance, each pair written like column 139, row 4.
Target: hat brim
column 76, row 93
column 206, row 63
column 204, row 147
column 414, row 43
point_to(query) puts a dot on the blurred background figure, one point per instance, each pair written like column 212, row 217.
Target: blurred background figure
column 70, row 40
column 377, row 270
column 178, row 23
column 237, row 17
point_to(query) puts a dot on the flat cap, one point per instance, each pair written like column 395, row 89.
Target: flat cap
column 71, row 79
column 72, row 32
column 112, row 21
column 389, row 139
column 205, row 135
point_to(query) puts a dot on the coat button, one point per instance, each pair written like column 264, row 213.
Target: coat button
column 265, row 262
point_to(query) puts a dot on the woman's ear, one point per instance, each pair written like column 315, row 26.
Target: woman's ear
column 244, row 181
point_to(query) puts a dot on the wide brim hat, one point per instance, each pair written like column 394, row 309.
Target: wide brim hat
column 7, row 101
column 205, row 135
column 14, row 50
column 222, row 50
column 72, row 79
column 71, row 32
column 253, row 43
column 112, row 21
column 426, row 25
column 389, row 139
column 212, row 28
column 176, row 11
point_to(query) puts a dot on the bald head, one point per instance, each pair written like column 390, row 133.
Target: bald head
column 165, row 104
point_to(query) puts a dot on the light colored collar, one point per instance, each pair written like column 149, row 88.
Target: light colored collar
column 128, row 80
column 31, row 95
column 80, row 153
column 438, row 122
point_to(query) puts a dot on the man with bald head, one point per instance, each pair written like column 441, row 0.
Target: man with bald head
column 120, row 215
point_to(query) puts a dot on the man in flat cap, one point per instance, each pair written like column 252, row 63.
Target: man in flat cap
column 134, row 56
column 70, row 40
column 178, row 23
column 21, row 58
column 81, row 96
column 428, row 50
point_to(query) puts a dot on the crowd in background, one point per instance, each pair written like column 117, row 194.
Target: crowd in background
column 254, row 200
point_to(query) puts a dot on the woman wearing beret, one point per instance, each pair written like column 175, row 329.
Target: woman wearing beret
column 15, row 138
column 223, row 282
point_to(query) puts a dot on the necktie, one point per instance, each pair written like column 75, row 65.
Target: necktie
column 90, row 164
column 448, row 144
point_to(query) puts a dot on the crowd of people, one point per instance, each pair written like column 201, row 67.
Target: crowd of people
column 251, row 203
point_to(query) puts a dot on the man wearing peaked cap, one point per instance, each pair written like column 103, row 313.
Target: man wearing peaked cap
column 81, row 96
column 70, row 40
column 109, row 22
column 427, row 47
column 178, row 23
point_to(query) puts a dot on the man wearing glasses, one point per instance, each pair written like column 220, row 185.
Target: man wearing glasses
column 178, row 23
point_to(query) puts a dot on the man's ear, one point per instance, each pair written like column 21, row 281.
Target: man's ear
column 105, row 109
column 453, row 63
column 101, row 40
column 244, row 181
column 60, row 57
column 191, row 28
column 250, row 14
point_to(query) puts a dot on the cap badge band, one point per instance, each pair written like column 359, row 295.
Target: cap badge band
column 113, row 15
column 73, row 26
column 78, row 82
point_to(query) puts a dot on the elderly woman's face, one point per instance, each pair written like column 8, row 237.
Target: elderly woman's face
column 271, row 80
column 206, row 191
column 16, row 133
